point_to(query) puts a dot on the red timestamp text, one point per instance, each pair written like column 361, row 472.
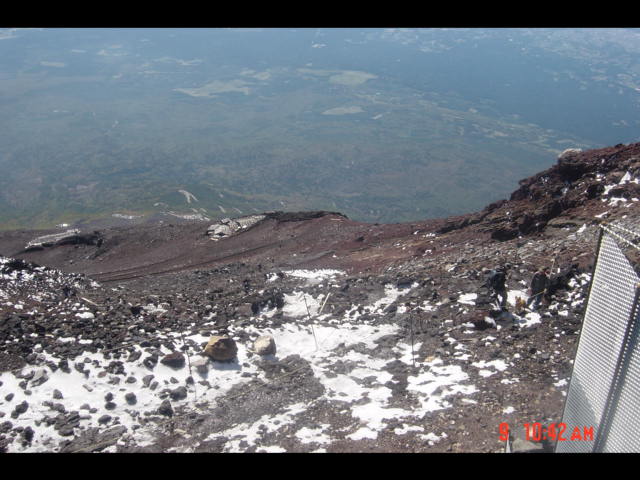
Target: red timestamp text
column 537, row 432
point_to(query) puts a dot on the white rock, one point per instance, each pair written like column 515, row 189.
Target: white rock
column 264, row 345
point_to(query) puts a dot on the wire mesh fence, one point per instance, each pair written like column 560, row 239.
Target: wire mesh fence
column 604, row 391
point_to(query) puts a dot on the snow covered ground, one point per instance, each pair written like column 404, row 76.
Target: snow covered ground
column 104, row 398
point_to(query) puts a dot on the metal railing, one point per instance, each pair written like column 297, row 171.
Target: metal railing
column 604, row 390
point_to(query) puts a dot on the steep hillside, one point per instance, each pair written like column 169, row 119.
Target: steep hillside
column 582, row 188
column 385, row 337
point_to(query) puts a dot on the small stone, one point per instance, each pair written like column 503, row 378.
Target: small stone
column 146, row 380
column 165, row 408
column 264, row 345
column 57, row 394
column 9, row 397
column 64, row 365
column 26, row 376
column 150, row 362
column 131, row 398
column 20, row 409
column 131, row 380
column 66, row 430
column 110, row 405
column 520, row 445
column 134, row 356
column 173, row 360
column 201, row 365
column 178, row 394
column 104, row 419
column 108, row 397
column 39, row 378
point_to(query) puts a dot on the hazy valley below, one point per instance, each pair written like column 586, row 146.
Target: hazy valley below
column 381, row 125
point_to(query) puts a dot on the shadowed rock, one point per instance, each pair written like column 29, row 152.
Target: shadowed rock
column 173, row 360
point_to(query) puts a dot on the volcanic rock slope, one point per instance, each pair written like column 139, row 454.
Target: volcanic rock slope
column 385, row 339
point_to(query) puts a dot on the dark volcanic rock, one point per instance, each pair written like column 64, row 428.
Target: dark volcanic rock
column 27, row 436
column 146, row 380
column 268, row 301
column 151, row 361
column 20, row 409
column 166, row 409
column 174, row 360
column 104, row 419
column 178, row 393
column 505, row 233
column 92, row 440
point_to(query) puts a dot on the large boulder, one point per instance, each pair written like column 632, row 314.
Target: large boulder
column 92, row 440
column 229, row 226
column 264, row 345
column 221, row 348
column 70, row 237
column 505, row 232
column 571, row 166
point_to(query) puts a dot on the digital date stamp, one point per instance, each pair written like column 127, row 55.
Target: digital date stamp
column 560, row 432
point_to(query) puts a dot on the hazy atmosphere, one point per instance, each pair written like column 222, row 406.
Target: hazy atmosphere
column 383, row 125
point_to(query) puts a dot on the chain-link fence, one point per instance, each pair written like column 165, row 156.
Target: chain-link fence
column 604, row 391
